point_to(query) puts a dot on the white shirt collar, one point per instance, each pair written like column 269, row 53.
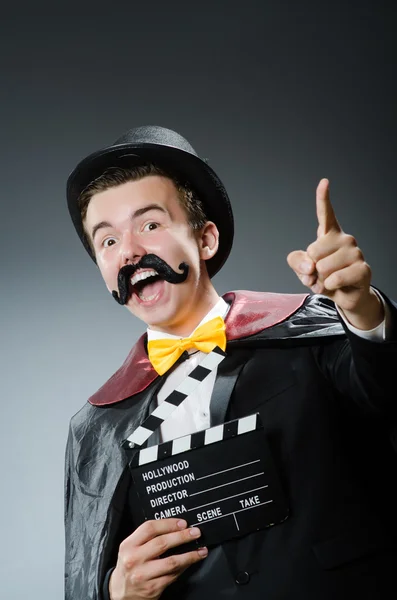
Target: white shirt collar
column 219, row 310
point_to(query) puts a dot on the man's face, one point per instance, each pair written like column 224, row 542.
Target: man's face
column 144, row 217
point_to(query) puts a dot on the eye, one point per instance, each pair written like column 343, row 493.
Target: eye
column 107, row 242
column 150, row 226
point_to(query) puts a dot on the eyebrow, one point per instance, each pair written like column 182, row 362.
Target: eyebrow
column 137, row 213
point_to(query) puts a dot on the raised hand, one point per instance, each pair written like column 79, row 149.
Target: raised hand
column 334, row 265
column 140, row 572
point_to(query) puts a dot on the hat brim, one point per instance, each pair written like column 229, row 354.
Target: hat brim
column 186, row 167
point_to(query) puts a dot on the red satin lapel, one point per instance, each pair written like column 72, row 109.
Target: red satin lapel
column 250, row 312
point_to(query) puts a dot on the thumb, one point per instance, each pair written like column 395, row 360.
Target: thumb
column 300, row 262
column 303, row 266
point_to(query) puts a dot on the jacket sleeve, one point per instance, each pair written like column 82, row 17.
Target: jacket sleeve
column 68, row 512
column 105, row 587
column 363, row 370
column 79, row 539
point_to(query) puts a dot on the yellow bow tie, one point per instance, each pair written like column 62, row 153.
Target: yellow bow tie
column 164, row 353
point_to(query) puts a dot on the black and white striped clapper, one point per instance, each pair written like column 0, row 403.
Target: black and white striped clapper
column 177, row 396
column 197, row 440
column 222, row 479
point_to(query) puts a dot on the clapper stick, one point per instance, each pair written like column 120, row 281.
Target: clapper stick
column 199, row 439
column 174, row 399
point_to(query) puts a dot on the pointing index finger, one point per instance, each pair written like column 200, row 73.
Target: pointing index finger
column 327, row 220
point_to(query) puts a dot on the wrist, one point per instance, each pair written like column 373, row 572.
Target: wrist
column 368, row 314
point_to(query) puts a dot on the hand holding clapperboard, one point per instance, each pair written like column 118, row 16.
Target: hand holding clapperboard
column 222, row 479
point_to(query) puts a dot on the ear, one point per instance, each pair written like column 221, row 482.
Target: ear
column 208, row 240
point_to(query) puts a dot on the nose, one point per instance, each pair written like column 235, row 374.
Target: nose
column 131, row 249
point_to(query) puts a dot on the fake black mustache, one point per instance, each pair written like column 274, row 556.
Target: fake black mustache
column 149, row 261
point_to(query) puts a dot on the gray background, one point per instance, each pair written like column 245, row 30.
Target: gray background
column 275, row 94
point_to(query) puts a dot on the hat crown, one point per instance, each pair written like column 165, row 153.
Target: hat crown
column 154, row 134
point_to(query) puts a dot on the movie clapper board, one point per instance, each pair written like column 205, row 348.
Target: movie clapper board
column 222, row 479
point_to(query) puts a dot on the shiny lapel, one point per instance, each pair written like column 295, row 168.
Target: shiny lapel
column 250, row 312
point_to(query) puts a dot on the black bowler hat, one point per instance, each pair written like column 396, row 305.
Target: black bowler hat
column 172, row 153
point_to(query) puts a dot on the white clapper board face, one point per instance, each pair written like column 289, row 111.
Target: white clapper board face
column 222, row 479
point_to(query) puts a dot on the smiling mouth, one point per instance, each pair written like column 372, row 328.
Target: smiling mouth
column 146, row 285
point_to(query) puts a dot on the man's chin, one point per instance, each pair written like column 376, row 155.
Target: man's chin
column 159, row 316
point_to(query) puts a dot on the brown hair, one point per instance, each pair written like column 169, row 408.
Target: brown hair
column 115, row 176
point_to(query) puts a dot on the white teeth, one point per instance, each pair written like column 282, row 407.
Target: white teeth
column 140, row 276
column 147, row 298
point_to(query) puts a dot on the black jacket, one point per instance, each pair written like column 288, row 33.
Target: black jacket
column 326, row 398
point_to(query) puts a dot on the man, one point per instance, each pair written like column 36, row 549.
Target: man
column 158, row 223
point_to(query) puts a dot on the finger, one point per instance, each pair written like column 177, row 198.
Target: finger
column 357, row 275
column 301, row 263
column 325, row 213
column 343, row 257
column 151, row 578
column 326, row 245
column 151, row 529
column 308, row 280
column 174, row 564
column 160, row 544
